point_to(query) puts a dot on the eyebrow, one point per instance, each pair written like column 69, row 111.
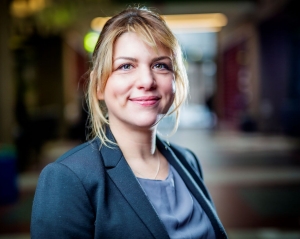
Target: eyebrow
column 135, row 60
column 162, row 58
column 125, row 58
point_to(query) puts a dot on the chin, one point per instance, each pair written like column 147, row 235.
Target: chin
column 146, row 123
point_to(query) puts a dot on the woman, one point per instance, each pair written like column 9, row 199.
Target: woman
column 126, row 182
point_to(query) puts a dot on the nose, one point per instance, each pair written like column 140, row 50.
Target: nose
column 146, row 79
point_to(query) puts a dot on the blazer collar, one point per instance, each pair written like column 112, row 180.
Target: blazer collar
column 121, row 174
column 125, row 180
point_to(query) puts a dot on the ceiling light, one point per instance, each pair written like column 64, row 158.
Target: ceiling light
column 184, row 22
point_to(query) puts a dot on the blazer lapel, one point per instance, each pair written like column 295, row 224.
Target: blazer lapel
column 123, row 177
column 194, row 184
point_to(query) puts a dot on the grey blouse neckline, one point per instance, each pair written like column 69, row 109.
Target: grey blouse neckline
column 177, row 208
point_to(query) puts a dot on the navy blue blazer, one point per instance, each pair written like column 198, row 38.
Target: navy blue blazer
column 91, row 192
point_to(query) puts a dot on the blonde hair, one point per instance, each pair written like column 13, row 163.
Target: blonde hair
column 153, row 30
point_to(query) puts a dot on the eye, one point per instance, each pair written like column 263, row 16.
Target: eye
column 125, row 67
column 161, row 66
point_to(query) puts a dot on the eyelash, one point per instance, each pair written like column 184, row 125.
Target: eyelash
column 164, row 65
column 122, row 66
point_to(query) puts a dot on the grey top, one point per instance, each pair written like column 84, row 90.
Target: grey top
column 177, row 208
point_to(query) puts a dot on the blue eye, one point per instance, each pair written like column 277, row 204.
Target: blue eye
column 125, row 67
column 161, row 66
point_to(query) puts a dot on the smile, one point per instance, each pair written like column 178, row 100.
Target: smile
column 145, row 100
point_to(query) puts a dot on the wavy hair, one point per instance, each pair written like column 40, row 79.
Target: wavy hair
column 153, row 30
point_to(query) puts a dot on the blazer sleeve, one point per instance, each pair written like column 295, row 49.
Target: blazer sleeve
column 61, row 207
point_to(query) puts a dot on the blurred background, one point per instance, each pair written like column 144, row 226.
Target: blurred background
column 242, row 118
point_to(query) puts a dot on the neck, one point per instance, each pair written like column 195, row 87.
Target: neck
column 135, row 144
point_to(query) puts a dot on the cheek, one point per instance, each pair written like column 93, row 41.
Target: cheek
column 170, row 91
column 171, row 88
column 169, row 85
column 115, row 89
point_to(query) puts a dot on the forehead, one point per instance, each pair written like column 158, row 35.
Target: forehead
column 131, row 43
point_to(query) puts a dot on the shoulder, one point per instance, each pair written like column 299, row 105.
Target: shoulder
column 85, row 150
column 63, row 188
column 82, row 161
column 86, row 154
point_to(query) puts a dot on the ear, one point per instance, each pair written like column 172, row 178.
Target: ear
column 100, row 94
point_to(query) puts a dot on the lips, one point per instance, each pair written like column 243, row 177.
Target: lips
column 145, row 100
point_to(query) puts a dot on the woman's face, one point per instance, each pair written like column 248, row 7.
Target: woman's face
column 141, row 88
